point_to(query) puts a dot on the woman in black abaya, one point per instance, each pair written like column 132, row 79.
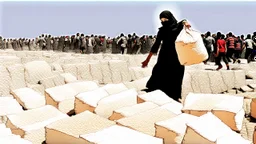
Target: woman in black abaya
column 167, row 74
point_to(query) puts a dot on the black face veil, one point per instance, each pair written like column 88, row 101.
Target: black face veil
column 168, row 15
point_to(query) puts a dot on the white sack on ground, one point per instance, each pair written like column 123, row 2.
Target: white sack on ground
column 17, row 76
column 231, row 114
column 210, row 129
column 37, row 70
column 95, row 69
column 83, row 72
column 5, row 81
column 120, row 135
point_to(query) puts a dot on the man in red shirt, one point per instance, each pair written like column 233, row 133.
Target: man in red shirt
column 221, row 51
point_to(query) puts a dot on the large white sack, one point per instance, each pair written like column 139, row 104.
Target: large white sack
column 212, row 129
column 83, row 72
column 190, row 47
column 70, row 68
column 5, row 81
column 96, row 72
column 139, row 72
column 8, row 106
column 217, row 102
column 56, row 67
column 37, row 70
column 114, row 66
column 17, row 76
column 107, row 105
column 106, row 72
column 186, row 85
column 30, row 59
column 9, row 60
column 120, row 135
column 13, row 139
column 28, row 98
column 68, row 77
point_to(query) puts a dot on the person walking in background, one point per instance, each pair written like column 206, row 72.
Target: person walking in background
column 248, row 44
column 238, row 48
column 230, row 42
column 221, row 51
column 209, row 44
column 122, row 42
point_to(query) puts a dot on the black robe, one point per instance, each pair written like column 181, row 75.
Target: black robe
column 167, row 74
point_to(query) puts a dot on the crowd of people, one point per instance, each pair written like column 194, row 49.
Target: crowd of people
column 229, row 47
column 130, row 44
column 236, row 46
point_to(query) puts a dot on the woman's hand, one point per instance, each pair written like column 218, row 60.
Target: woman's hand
column 145, row 63
column 186, row 24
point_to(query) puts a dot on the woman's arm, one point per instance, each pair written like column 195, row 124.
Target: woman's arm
column 156, row 45
column 181, row 25
column 154, row 49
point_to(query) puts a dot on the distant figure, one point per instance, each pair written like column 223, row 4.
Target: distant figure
column 34, row 45
column 30, row 45
column 129, row 44
column 230, row 42
column 77, row 43
column 104, row 44
column 67, row 44
column 167, row 74
column 48, row 43
column 122, row 42
column 91, row 44
column 137, row 45
column 61, row 43
column 209, row 44
column 97, row 45
column 4, row 44
column 109, row 45
column 238, row 47
column 9, row 44
column 41, row 42
column 83, row 43
column 249, row 44
column 114, row 46
column 55, row 44
column 72, row 44
column 148, row 44
column 15, row 44
column 221, row 51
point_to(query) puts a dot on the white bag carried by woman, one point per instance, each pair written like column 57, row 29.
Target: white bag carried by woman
column 190, row 47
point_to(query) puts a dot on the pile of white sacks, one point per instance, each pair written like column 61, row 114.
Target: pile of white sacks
column 40, row 90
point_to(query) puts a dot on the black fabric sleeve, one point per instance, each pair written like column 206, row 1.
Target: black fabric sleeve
column 156, row 45
column 180, row 26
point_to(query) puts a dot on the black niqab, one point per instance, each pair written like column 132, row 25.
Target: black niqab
column 171, row 19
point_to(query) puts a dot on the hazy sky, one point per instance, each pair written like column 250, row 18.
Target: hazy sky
column 1, row 22
column 30, row 19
